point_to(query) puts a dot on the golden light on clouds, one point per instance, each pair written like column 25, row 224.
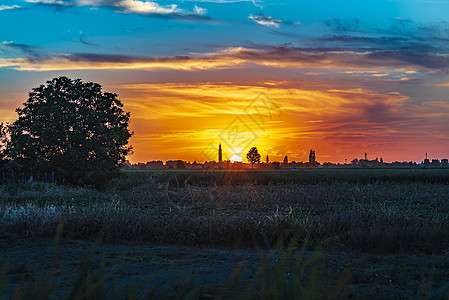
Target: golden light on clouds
column 178, row 120
column 229, row 58
column 68, row 63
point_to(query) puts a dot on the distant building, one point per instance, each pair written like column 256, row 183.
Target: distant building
column 312, row 157
column 426, row 161
column 268, row 160
column 286, row 160
column 367, row 163
column 435, row 163
column 444, row 162
column 220, row 154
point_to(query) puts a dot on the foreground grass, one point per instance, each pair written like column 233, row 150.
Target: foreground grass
column 42, row 269
column 399, row 212
column 177, row 178
column 402, row 215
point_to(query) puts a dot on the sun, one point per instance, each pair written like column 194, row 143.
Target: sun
column 235, row 158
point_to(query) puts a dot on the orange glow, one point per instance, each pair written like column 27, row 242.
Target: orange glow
column 180, row 121
column 231, row 58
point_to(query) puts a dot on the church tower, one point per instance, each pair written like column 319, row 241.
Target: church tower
column 220, row 155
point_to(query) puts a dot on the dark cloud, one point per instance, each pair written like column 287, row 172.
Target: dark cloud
column 342, row 25
column 364, row 43
column 381, row 113
column 111, row 58
column 185, row 17
column 284, row 56
column 413, row 29
column 386, row 58
column 426, row 60
column 9, row 48
column 350, row 35
column 83, row 41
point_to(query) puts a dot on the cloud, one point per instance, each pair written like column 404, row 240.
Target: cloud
column 283, row 56
column 135, row 6
column 141, row 7
column 199, row 10
column 343, row 24
column 266, row 20
column 354, row 35
column 379, row 121
column 6, row 7
column 408, row 57
column 12, row 49
column 26, row 57
column 254, row 2
column 52, row 2
column 444, row 84
column 85, row 42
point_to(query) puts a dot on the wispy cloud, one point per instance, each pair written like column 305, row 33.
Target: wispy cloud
column 199, row 10
column 354, row 35
column 13, row 50
column 135, row 6
column 34, row 58
column 52, row 2
column 444, row 84
column 254, row 2
column 6, row 7
column 343, row 25
column 265, row 20
column 85, row 42
column 141, row 7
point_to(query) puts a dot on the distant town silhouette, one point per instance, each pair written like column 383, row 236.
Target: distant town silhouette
column 285, row 164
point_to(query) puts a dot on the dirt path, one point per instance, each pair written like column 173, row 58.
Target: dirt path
column 174, row 270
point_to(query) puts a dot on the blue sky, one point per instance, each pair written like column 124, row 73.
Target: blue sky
column 393, row 53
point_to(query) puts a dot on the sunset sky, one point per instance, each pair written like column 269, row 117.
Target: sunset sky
column 340, row 77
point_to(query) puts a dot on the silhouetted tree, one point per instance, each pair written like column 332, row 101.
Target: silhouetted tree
column 73, row 128
column 268, row 160
column 6, row 164
column 180, row 164
column 3, row 141
column 276, row 165
column 253, row 156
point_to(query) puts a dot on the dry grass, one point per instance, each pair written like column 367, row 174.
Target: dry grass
column 385, row 216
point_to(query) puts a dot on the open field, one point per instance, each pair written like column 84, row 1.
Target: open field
column 77, row 269
column 388, row 213
column 365, row 210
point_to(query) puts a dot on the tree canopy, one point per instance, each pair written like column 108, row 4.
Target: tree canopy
column 73, row 128
column 253, row 156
